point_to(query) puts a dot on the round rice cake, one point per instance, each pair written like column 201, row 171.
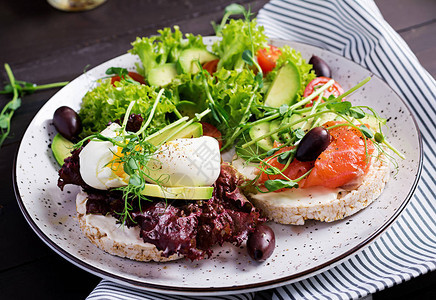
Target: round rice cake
column 105, row 233
column 294, row 206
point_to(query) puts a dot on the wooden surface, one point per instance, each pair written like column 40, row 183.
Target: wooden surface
column 44, row 45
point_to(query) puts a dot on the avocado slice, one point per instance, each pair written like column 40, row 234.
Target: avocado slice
column 296, row 117
column 188, row 108
column 373, row 122
column 191, row 131
column 259, row 130
column 61, row 148
column 324, row 118
column 273, row 125
column 187, row 59
column 180, row 192
column 259, row 147
column 162, row 75
column 285, row 87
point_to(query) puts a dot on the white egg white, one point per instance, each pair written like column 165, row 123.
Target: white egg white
column 186, row 162
column 94, row 159
column 181, row 162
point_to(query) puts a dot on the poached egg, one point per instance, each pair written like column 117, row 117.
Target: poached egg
column 95, row 159
column 186, row 162
column 181, row 162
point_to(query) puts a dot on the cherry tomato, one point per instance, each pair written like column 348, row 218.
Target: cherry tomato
column 135, row 76
column 210, row 66
column 267, row 58
column 334, row 89
column 295, row 169
column 210, row 130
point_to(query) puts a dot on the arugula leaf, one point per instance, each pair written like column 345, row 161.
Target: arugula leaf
column 299, row 133
column 117, row 71
column 365, row 130
column 357, row 113
column 340, row 107
column 283, row 157
column 272, row 171
column 247, row 56
column 277, row 184
column 271, row 152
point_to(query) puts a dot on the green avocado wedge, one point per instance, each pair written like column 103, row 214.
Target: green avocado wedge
column 189, row 57
column 162, row 75
column 259, row 130
column 179, row 192
column 61, row 148
column 284, row 88
column 191, row 131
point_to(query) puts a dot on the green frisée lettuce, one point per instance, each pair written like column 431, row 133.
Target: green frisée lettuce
column 235, row 93
column 107, row 103
column 163, row 48
column 238, row 36
column 291, row 55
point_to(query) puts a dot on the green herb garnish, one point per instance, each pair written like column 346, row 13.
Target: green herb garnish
column 18, row 89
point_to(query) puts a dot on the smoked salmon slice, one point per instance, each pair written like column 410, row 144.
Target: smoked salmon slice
column 345, row 160
column 295, row 169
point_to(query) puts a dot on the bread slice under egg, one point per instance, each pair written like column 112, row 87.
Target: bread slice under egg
column 105, row 233
column 341, row 204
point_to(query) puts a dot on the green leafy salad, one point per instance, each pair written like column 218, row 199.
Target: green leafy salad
column 253, row 97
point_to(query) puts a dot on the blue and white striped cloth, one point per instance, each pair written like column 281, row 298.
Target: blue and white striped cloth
column 356, row 30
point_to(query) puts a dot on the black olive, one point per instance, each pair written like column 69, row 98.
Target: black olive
column 67, row 122
column 261, row 243
column 320, row 67
column 312, row 144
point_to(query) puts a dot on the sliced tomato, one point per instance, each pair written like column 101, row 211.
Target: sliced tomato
column 334, row 89
column 345, row 161
column 267, row 58
column 210, row 130
column 135, row 76
column 295, row 169
column 211, row 66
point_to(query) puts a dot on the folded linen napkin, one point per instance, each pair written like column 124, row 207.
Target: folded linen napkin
column 356, row 30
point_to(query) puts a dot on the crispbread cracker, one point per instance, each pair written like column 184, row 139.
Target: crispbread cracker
column 105, row 233
column 345, row 204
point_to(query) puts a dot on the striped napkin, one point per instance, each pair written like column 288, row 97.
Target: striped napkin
column 356, row 30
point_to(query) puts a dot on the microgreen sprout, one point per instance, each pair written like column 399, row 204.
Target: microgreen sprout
column 18, row 89
column 273, row 185
column 230, row 10
column 122, row 73
column 151, row 114
column 217, row 111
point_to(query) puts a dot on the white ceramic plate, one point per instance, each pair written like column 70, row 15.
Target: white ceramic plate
column 301, row 251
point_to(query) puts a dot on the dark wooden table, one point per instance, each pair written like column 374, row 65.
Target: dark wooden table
column 45, row 45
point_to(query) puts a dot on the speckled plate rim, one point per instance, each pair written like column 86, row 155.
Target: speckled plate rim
column 237, row 288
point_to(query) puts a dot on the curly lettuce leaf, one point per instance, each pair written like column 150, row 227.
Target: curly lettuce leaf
column 305, row 69
column 163, row 48
column 107, row 103
column 233, row 90
column 235, row 40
